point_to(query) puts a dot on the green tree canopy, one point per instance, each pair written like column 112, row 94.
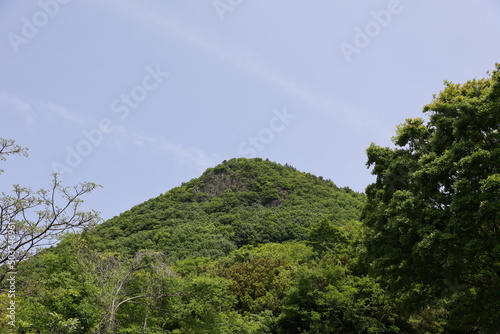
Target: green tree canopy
column 434, row 208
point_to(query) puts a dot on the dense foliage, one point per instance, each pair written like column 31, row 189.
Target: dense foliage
column 223, row 253
column 252, row 246
column 237, row 203
column 434, row 209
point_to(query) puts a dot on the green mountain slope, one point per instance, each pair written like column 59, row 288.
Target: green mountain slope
column 239, row 202
column 251, row 246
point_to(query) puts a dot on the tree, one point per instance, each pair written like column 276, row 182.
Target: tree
column 434, row 208
column 327, row 298
column 324, row 236
column 144, row 281
column 9, row 147
column 57, row 294
column 32, row 219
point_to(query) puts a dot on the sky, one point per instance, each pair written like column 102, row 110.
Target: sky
column 141, row 96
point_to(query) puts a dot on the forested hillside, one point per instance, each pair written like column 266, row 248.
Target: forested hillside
column 240, row 202
column 250, row 246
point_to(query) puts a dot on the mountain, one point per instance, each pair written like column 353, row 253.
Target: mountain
column 239, row 202
column 251, row 246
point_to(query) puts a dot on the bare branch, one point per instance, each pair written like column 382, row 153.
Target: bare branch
column 8, row 147
column 30, row 220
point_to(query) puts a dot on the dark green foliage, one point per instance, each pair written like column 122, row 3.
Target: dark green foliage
column 434, row 209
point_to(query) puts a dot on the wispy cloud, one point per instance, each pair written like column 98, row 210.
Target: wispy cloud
column 179, row 153
column 63, row 113
column 190, row 155
column 15, row 105
column 29, row 112
column 169, row 28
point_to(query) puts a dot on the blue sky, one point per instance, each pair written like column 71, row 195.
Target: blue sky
column 140, row 96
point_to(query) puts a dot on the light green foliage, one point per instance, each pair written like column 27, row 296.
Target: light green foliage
column 204, row 304
column 326, row 237
column 260, row 276
column 9, row 147
column 56, row 292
